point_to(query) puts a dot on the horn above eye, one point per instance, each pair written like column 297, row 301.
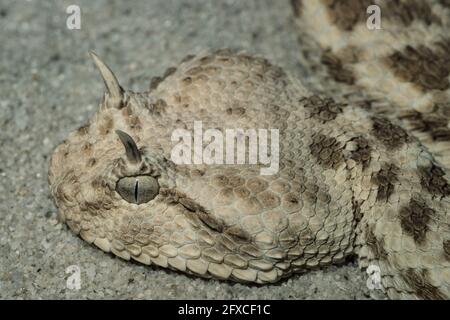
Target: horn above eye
column 115, row 91
column 131, row 149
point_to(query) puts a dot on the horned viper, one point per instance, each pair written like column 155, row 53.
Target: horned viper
column 363, row 157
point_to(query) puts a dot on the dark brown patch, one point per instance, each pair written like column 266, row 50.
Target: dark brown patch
column 435, row 123
column 375, row 245
column 327, row 151
column 83, row 130
column 362, row 153
column 346, row 14
column 239, row 111
column 323, row 109
column 155, row 81
column 421, row 286
column 385, row 179
column 425, row 67
column 356, row 208
column 91, row 162
column 432, row 179
column 297, row 7
column 366, row 104
column 414, row 219
column 409, row 11
column 187, row 58
column 391, row 135
column 336, row 68
column 157, row 107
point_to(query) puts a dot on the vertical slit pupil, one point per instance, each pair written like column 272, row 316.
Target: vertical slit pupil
column 136, row 190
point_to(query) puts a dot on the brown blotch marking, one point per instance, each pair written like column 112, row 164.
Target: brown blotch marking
column 345, row 14
column 385, row 179
column 323, row 109
column 391, row 135
column 356, row 208
column 239, row 111
column 375, row 245
column 366, row 104
column 91, row 162
column 362, row 153
column 414, row 219
column 336, row 68
column 425, row 67
column 435, row 123
column 433, row 180
column 106, row 126
column 157, row 107
column 83, row 130
column 418, row 281
column 187, row 58
column 297, row 7
column 155, row 81
column 327, row 151
column 409, row 11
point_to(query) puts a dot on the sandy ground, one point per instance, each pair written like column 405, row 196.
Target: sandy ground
column 49, row 87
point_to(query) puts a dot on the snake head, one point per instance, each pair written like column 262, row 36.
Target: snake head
column 115, row 186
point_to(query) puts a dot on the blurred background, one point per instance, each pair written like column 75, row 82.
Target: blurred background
column 49, row 87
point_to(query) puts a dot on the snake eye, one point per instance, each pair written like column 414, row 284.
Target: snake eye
column 139, row 189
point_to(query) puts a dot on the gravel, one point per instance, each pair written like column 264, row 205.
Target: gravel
column 48, row 87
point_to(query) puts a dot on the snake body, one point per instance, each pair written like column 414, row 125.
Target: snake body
column 363, row 163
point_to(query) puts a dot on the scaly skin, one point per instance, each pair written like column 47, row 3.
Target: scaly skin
column 350, row 182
